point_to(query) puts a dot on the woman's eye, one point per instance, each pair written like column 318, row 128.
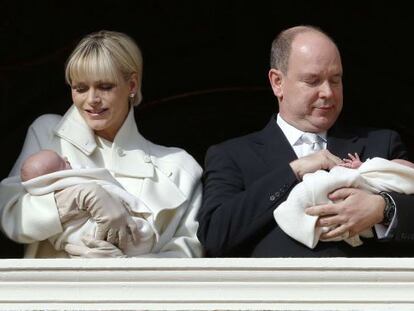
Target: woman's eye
column 106, row 87
column 80, row 88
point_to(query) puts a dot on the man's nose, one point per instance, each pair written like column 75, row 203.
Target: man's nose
column 325, row 89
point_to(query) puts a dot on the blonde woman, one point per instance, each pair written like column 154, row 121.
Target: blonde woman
column 104, row 72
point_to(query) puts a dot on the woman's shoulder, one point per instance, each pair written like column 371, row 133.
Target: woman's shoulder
column 46, row 121
column 175, row 158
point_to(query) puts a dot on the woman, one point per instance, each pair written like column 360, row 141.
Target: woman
column 99, row 130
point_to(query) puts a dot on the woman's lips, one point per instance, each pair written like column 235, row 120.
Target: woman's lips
column 96, row 112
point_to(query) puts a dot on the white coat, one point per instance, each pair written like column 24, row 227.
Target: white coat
column 165, row 179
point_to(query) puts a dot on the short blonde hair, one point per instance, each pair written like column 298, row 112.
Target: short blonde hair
column 106, row 54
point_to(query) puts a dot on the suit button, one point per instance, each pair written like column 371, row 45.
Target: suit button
column 272, row 198
column 147, row 158
column 120, row 152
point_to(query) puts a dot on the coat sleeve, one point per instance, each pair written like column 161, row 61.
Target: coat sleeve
column 26, row 218
column 404, row 230
column 234, row 215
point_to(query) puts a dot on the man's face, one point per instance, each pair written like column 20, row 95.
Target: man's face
column 310, row 94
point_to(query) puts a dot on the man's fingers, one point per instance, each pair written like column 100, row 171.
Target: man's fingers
column 328, row 221
column 340, row 231
column 340, row 194
column 321, row 210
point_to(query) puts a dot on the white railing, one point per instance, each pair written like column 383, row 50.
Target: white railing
column 205, row 284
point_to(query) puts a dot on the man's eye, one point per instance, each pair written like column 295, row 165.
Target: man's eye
column 312, row 82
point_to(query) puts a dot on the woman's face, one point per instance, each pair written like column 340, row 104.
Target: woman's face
column 103, row 104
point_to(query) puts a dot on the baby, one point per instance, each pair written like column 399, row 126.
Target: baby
column 46, row 171
column 374, row 175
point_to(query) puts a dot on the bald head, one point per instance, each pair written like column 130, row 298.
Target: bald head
column 41, row 163
column 282, row 45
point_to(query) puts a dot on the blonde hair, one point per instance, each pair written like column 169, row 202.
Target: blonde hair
column 106, row 54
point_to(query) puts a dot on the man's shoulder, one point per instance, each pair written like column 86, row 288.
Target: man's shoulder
column 350, row 131
column 237, row 143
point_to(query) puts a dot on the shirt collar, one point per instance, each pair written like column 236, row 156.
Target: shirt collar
column 293, row 134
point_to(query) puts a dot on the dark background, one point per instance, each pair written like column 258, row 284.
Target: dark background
column 205, row 64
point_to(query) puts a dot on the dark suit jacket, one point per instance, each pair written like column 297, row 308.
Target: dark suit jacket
column 246, row 178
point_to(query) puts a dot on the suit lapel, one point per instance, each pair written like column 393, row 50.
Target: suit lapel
column 275, row 147
column 342, row 142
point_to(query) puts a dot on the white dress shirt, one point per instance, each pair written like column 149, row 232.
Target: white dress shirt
column 294, row 136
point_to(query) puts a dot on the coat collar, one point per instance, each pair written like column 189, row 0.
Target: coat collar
column 277, row 149
column 342, row 141
column 275, row 146
column 128, row 147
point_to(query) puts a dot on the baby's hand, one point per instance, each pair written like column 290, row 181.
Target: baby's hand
column 352, row 162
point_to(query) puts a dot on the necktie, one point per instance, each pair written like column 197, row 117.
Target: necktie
column 313, row 142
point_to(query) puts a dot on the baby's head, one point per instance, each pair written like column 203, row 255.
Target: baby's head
column 41, row 163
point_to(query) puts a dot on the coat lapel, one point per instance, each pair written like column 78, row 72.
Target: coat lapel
column 342, row 142
column 274, row 145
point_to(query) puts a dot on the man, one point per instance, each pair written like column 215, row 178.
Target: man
column 246, row 178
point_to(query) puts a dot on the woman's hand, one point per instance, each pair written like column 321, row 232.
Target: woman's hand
column 93, row 249
column 114, row 223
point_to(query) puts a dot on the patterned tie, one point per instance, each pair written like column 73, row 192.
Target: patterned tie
column 313, row 141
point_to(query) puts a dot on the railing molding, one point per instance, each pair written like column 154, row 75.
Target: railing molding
column 207, row 284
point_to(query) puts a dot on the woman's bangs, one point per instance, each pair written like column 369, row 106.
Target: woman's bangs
column 94, row 68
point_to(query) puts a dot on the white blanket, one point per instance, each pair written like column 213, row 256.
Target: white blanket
column 74, row 229
column 374, row 175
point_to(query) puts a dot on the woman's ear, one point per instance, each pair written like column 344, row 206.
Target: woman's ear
column 276, row 81
column 133, row 83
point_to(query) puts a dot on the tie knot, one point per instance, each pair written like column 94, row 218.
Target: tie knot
column 314, row 141
column 311, row 138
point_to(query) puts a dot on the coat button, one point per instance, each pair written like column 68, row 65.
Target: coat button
column 147, row 158
column 120, row 152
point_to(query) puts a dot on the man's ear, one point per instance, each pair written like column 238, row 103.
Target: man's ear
column 276, row 79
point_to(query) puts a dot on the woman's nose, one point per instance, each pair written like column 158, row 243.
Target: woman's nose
column 93, row 97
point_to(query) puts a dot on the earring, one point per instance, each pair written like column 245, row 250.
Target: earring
column 132, row 95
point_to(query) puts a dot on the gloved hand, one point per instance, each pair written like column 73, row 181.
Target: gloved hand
column 93, row 249
column 114, row 223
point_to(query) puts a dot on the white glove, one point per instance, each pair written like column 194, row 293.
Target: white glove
column 93, row 249
column 114, row 223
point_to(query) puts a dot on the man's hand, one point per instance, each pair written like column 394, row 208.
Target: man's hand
column 93, row 249
column 320, row 160
column 353, row 211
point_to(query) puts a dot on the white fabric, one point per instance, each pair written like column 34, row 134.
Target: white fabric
column 294, row 137
column 167, row 180
column 374, row 175
column 74, row 230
